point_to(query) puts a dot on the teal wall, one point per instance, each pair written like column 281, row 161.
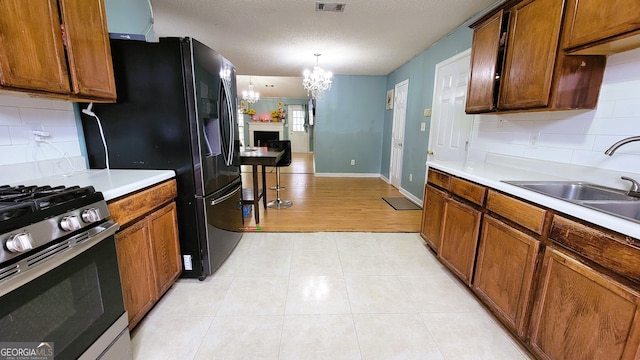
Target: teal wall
column 421, row 74
column 349, row 125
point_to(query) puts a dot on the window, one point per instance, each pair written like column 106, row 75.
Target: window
column 297, row 117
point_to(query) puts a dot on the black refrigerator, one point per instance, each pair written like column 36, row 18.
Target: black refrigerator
column 177, row 109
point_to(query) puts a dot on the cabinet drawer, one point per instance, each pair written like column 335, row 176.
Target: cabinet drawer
column 520, row 212
column 468, row 190
column 613, row 251
column 439, row 179
column 131, row 207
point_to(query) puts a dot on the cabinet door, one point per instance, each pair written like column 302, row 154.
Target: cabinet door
column 88, row 48
column 163, row 228
column 484, row 60
column 504, row 271
column 459, row 238
column 581, row 314
column 31, row 49
column 593, row 20
column 134, row 260
column 534, row 33
column 432, row 216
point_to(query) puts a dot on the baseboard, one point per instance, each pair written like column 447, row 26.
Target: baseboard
column 347, row 175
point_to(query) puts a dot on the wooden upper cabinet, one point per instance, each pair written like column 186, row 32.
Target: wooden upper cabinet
column 534, row 33
column 31, row 49
column 88, row 49
column 481, row 93
column 56, row 48
column 602, row 27
column 530, row 71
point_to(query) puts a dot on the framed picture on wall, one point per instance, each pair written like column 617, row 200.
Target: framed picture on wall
column 389, row 99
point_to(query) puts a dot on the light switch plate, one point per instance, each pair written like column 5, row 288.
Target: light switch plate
column 423, row 126
column 427, row 112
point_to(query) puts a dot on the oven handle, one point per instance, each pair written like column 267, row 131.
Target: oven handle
column 76, row 245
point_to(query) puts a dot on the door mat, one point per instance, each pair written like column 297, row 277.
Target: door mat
column 401, row 203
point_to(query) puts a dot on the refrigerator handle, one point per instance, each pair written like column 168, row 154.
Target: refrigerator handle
column 227, row 89
column 226, row 197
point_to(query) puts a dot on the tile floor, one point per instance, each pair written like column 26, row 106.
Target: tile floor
column 324, row 296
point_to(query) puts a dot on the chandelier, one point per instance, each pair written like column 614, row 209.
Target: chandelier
column 318, row 81
column 251, row 97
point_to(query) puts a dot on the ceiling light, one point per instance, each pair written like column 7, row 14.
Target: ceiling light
column 318, row 81
column 251, row 97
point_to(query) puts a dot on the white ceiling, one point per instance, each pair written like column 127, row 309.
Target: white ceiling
column 274, row 40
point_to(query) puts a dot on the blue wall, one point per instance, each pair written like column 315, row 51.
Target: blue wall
column 264, row 106
column 349, row 125
column 421, row 74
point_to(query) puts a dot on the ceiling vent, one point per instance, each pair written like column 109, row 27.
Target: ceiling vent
column 332, row 7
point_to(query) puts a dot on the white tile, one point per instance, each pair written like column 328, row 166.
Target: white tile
column 439, row 293
column 255, row 296
column 378, row 295
column 5, row 135
column 47, row 117
column 317, row 295
column 471, row 336
column 400, row 243
column 626, row 108
column 315, row 263
column 241, row 337
column 357, row 243
column 365, row 264
column 169, row 337
column 273, row 241
column 415, row 264
column 319, row 337
column 191, row 297
column 9, row 115
column 321, row 241
column 395, row 336
column 257, row 262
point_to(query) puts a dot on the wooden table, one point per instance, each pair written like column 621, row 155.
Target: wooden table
column 258, row 156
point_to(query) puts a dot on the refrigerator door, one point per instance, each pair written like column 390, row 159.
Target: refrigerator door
column 223, row 213
column 215, row 91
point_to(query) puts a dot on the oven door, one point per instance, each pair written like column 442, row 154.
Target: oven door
column 69, row 300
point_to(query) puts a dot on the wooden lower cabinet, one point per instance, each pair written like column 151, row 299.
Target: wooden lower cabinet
column 460, row 230
column 504, row 271
column 149, row 260
column 432, row 216
column 582, row 314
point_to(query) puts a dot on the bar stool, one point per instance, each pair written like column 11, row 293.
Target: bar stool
column 285, row 160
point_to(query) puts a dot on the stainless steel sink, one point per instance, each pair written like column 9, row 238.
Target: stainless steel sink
column 612, row 201
column 574, row 191
column 624, row 209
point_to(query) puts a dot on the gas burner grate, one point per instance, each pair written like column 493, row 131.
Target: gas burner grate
column 9, row 211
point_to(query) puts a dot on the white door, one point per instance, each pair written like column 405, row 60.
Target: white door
column 397, row 133
column 297, row 133
column 450, row 128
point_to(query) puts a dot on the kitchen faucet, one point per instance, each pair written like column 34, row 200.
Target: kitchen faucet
column 615, row 146
column 635, row 186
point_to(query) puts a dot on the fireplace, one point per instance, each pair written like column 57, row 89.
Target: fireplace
column 263, row 131
column 260, row 138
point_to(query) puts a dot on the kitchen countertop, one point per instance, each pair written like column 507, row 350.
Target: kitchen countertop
column 112, row 183
column 493, row 171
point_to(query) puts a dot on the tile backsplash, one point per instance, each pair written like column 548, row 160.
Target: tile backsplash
column 578, row 137
column 19, row 116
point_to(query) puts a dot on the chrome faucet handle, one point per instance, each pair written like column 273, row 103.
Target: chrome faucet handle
column 635, row 187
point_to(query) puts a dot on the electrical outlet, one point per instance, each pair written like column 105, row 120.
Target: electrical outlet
column 500, row 123
column 533, row 139
column 353, row 162
column 410, row 177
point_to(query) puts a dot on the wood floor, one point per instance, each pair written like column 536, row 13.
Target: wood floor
column 330, row 203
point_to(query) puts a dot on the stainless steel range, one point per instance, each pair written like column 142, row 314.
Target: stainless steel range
column 59, row 278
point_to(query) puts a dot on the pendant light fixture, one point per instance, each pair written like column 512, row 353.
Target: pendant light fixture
column 251, row 97
column 318, row 81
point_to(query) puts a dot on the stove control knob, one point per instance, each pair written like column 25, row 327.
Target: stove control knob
column 19, row 243
column 70, row 223
column 91, row 215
